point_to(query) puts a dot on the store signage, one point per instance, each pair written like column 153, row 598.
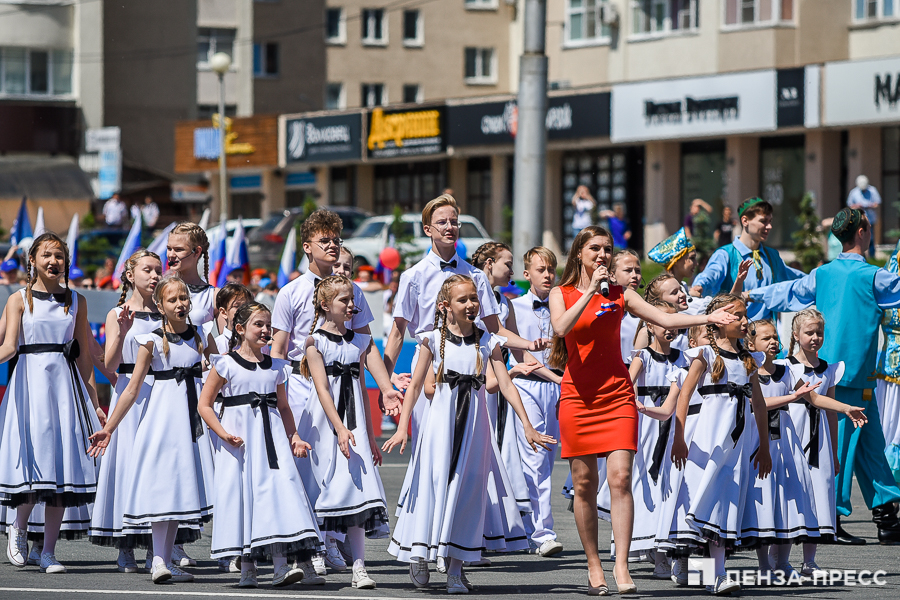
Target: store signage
column 405, row 133
column 694, row 107
column 577, row 116
column 791, row 97
column 862, row 91
column 320, row 139
column 102, row 138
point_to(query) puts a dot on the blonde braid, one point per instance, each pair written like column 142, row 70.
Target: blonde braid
column 317, row 312
column 28, row 282
column 439, row 378
column 165, row 338
column 746, row 358
column 68, row 302
column 125, row 284
column 479, row 363
column 718, row 369
column 206, row 267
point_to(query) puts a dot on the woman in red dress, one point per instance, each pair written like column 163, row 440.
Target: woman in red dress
column 597, row 410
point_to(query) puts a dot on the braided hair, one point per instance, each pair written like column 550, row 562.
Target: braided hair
column 660, row 304
column 804, row 316
column 489, row 250
column 440, row 316
column 653, row 288
column 31, row 276
column 197, row 238
column 130, row 264
column 718, row 369
column 242, row 317
column 326, row 290
column 167, row 281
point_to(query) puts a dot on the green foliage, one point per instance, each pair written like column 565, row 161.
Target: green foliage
column 808, row 248
column 702, row 235
column 88, row 222
column 3, row 232
column 893, row 234
column 93, row 251
column 505, row 236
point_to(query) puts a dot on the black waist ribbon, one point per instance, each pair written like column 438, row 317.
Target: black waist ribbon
column 658, row 394
column 346, row 407
column 187, row 375
column 775, row 422
column 70, row 351
column 501, row 404
column 741, row 393
column 466, row 384
column 263, row 402
column 812, row 448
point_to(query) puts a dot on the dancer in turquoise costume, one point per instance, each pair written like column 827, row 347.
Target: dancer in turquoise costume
column 851, row 294
column 887, row 390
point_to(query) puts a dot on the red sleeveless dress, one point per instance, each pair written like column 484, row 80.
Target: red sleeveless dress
column 597, row 412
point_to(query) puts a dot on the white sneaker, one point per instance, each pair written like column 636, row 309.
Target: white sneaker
column 34, row 557
column 790, row 574
column 418, row 573
column 318, row 563
column 126, row 563
column 455, row 585
column 287, row 575
column 441, row 565
column 549, row 548
column 248, row 579
column 160, row 573
column 49, row 564
column 361, row 579
column 662, row 570
column 723, row 586
column 180, row 557
column 680, row 571
column 482, row 562
column 179, row 576
column 16, row 546
column 811, row 569
column 310, row 574
column 333, row 558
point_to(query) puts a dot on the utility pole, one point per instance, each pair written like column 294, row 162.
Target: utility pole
column 531, row 136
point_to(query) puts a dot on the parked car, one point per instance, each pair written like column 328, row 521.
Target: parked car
column 371, row 237
column 212, row 231
column 266, row 243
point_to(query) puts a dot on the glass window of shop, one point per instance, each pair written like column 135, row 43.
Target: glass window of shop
column 703, row 176
column 782, row 184
column 247, row 204
column 408, row 185
column 478, row 187
column 611, row 176
column 890, row 182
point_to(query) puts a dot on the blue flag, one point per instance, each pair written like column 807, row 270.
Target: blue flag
column 21, row 228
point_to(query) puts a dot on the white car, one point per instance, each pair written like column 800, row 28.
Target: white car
column 371, row 237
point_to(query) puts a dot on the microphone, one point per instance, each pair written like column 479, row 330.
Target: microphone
column 355, row 311
column 470, row 317
column 604, row 287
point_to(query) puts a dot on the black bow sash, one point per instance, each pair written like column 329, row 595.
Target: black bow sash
column 346, row 407
column 812, row 448
column 451, row 264
column 263, row 402
column 70, row 351
column 466, row 384
column 741, row 393
column 501, row 403
column 657, row 393
column 187, row 375
column 775, row 422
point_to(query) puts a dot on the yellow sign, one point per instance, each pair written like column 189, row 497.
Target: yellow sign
column 402, row 126
column 232, row 147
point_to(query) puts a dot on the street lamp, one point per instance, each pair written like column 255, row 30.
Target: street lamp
column 221, row 63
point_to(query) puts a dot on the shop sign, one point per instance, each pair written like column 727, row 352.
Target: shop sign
column 577, row 116
column 249, row 142
column 322, row 139
column 791, row 97
column 694, row 107
column 405, row 133
column 862, row 91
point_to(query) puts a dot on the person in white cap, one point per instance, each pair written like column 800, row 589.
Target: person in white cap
column 866, row 198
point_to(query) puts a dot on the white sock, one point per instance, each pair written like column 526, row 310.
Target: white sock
column 809, row 552
column 248, row 565
column 455, row 567
column 278, row 561
column 717, row 552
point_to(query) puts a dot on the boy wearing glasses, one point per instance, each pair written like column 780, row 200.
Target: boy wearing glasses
column 292, row 323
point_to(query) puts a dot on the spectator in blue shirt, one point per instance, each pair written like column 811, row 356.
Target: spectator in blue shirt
column 618, row 226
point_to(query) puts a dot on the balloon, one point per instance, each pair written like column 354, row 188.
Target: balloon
column 390, row 258
column 461, row 249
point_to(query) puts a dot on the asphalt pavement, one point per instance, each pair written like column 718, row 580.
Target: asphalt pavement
column 92, row 570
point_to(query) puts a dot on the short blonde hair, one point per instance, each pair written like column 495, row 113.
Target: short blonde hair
column 545, row 253
column 439, row 202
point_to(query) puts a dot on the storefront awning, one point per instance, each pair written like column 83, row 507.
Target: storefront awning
column 43, row 178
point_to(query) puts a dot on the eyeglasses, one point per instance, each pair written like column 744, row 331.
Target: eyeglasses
column 446, row 224
column 324, row 242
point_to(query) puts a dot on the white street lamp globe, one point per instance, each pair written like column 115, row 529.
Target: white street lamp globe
column 220, row 63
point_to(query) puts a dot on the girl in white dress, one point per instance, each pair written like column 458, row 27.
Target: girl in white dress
column 48, row 412
column 229, row 298
column 626, row 270
column 136, row 316
column 816, row 422
column 718, row 464
column 163, row 481
column 262, row 510
column 344, row 456
column 459, row 501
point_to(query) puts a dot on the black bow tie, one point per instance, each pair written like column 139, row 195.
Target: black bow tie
column 450, row 265
column 536, row 304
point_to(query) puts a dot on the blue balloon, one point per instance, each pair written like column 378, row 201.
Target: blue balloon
column 461, row 249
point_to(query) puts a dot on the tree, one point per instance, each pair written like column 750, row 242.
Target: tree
column 808, row 237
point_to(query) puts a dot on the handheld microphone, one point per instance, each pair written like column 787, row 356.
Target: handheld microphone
column 470, row 317
column 355, row 311
column 604, row 287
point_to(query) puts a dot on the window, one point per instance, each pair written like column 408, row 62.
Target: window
column 265, row 60
column 206, row 111
column 374, row 27
column 584, row 22
column 334, row 96
column 373, row 94
column 655, row 17
column 210, row 41
column 739, row 13
column 874, row 9
column 412, row 28
column 335, row 26
column 480, row 68
column 412, row 92
column 35, row 72
column 481, row 4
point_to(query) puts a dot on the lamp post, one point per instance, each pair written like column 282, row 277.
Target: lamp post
column 221, row 63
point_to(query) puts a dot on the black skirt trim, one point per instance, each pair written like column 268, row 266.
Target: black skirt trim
column 49, row 498
column 451, row 544
column 130, row 541
column 370, row 520
column 302, row 550
column 204, row 514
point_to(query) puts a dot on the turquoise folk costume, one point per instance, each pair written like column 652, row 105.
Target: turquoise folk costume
column 887, row 389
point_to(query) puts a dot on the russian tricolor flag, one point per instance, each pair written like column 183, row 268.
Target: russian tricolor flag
column 132, row 243
column 160, row 243
column 288, row 259
column 72, row 243
column 236, row 258
column 217, row 252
